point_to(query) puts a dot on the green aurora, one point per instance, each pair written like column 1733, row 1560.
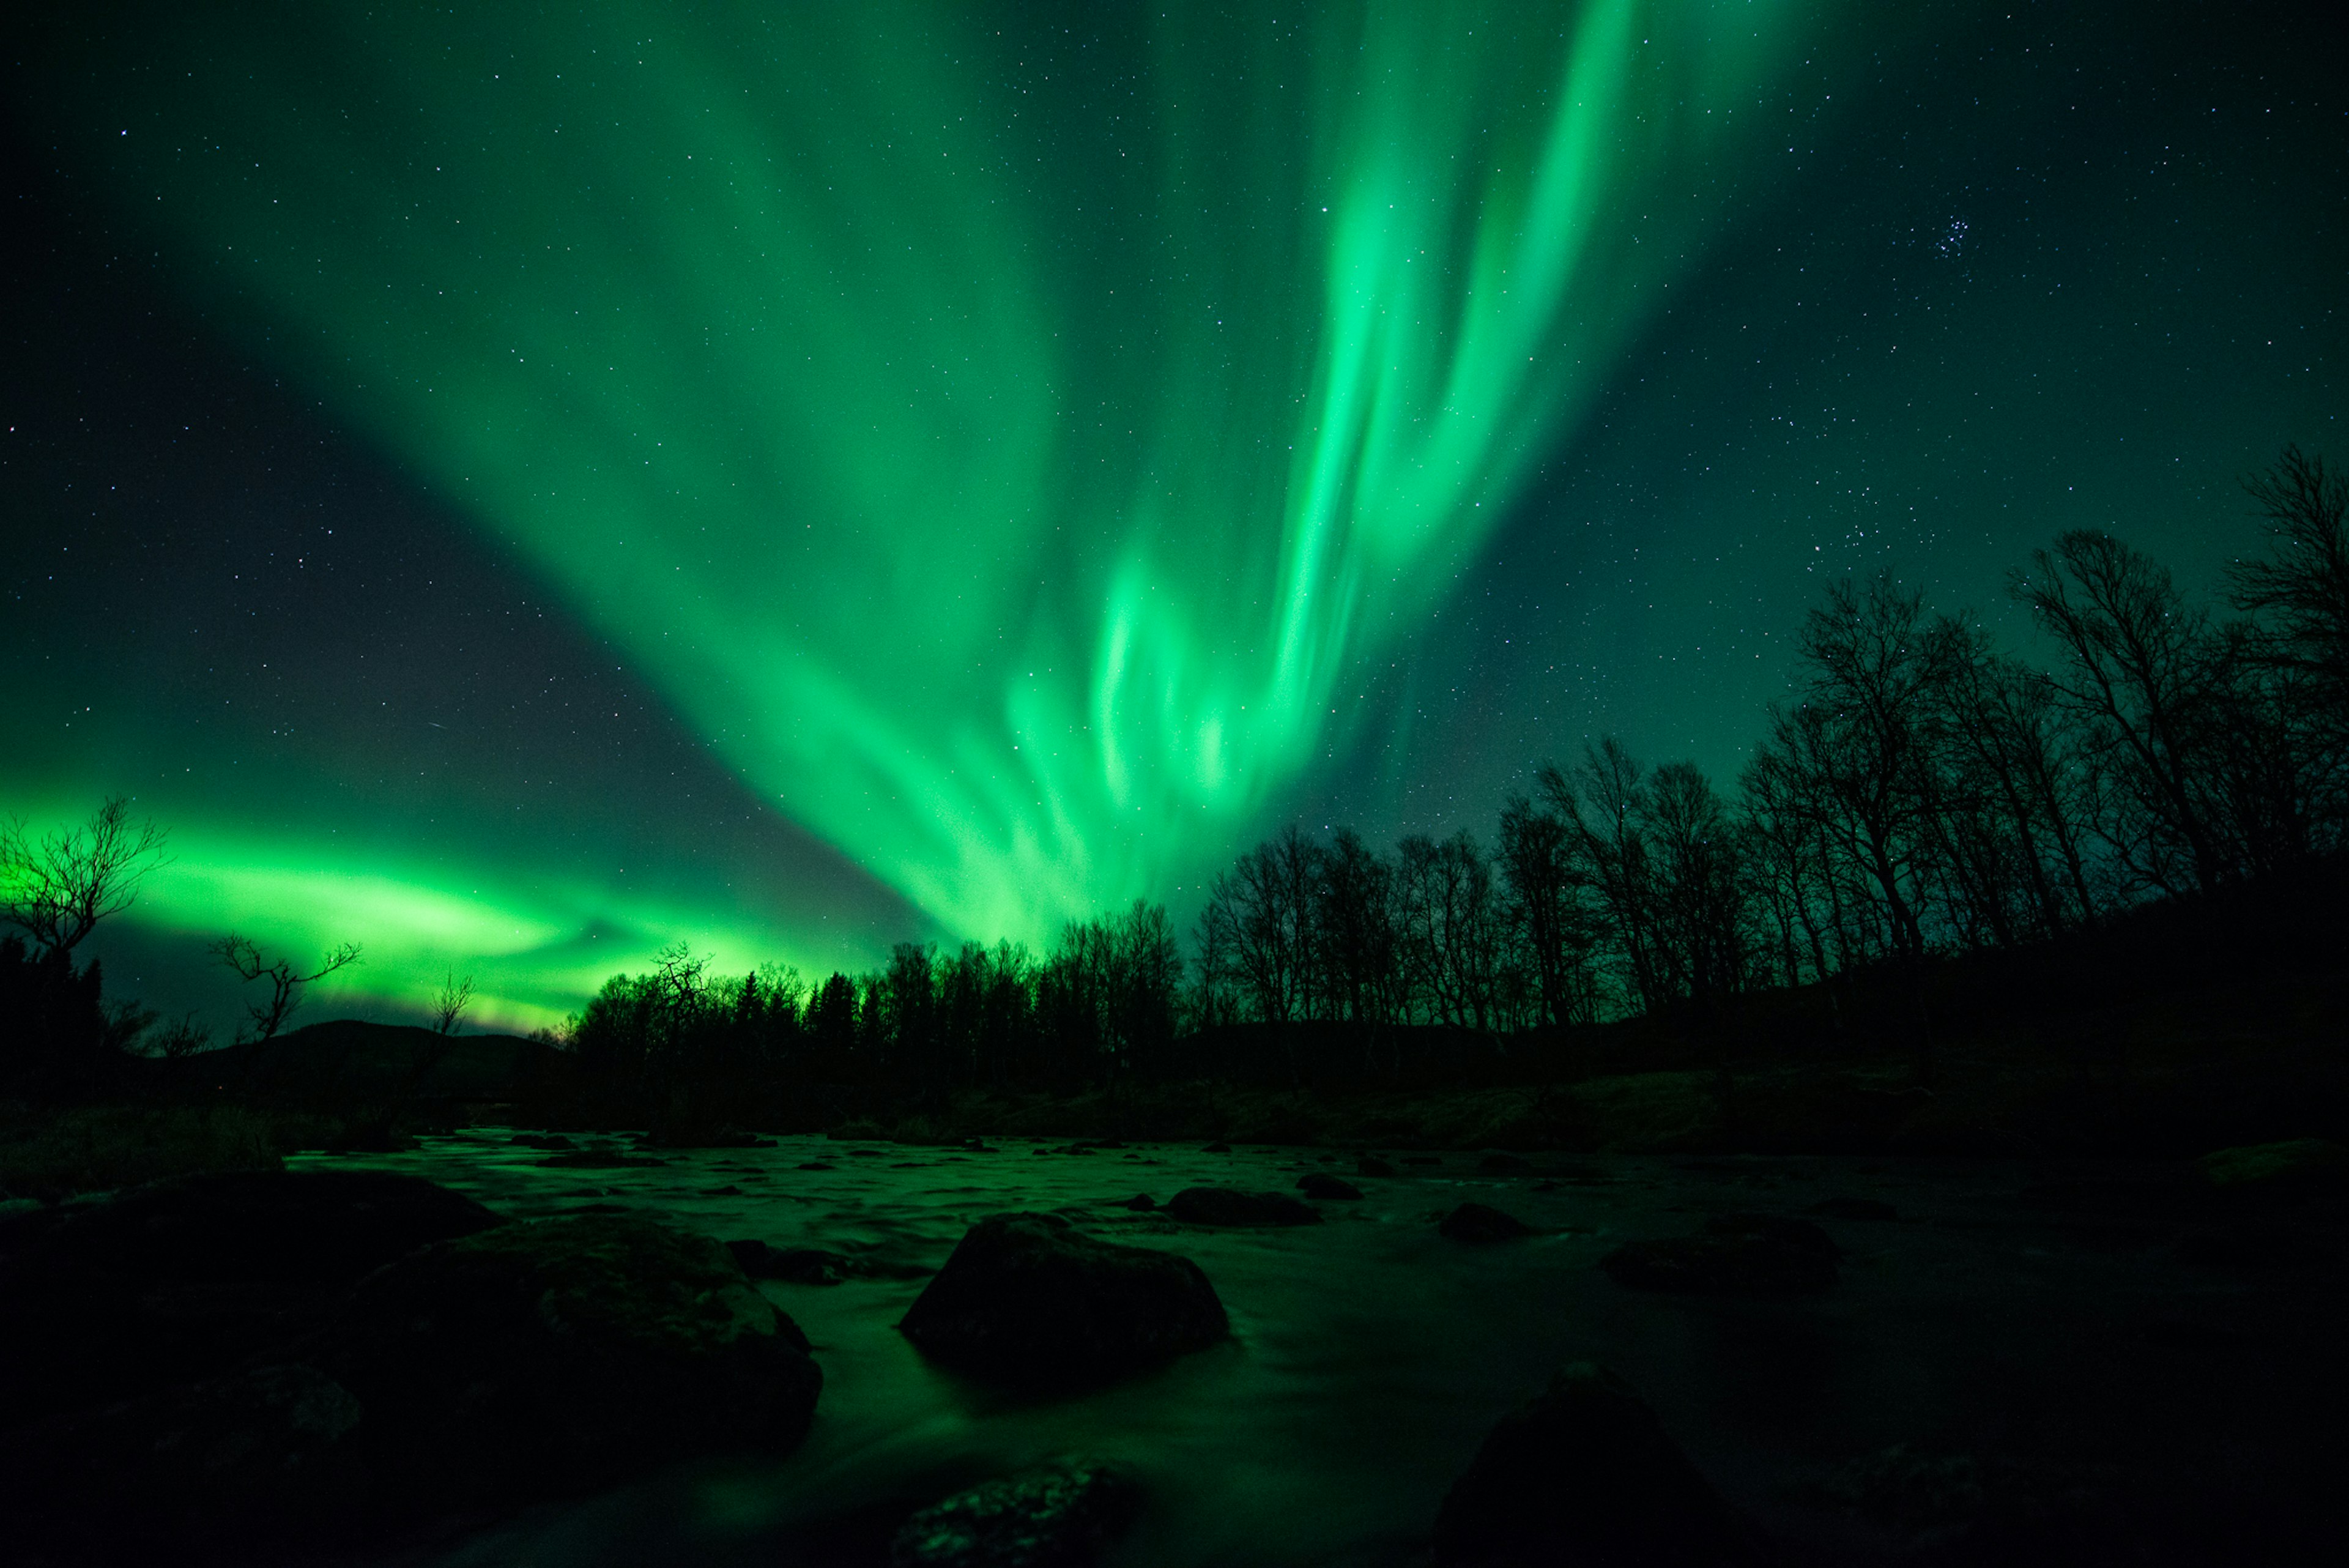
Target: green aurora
column 1015, row 461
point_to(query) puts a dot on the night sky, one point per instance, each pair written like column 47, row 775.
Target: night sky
column 520, row 488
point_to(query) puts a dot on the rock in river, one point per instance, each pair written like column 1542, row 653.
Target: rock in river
column 561, row 1354
column 1059, row 1516
column 1322, row 1184
column 1028, row 1300
column 177, row 1280
column 1230, row 1207
column 1586, row 1474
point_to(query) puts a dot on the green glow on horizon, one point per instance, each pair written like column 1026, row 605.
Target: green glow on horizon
column 1014, row 495
column 534, row 947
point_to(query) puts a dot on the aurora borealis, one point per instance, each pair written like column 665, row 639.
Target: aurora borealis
column 520, row 489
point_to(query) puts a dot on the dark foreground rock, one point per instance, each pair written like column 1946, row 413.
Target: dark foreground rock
column 1228, row 1206
column 1586, row 1474
column 521, row 1362
column 1480, row 1223
column 181, row 1279
column 1059, row 1516
column 1322, row 1184
column 1026, row 1300
column 1755, row 1254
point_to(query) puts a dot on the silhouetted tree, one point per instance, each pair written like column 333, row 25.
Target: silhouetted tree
column 449, row 1002
column 2140, row 669
column 1536, row 861
column 286, row 986
column 58, row 886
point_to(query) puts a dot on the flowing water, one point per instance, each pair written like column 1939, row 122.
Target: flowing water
column 2022, row 1331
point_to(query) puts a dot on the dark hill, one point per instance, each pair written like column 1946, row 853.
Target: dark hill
column 347, row 1061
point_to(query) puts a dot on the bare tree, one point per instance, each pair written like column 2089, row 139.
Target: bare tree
column 1611, row 854
column 1700, row 905
column 2303, row 587
column 449, row 1002
column 2138, row 669
column 285, row 986
column 1536, row 862
column 176, row 1041
column 56, row 888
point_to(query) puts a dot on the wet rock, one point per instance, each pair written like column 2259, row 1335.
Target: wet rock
column 555, row 1357
column 548, row 1141
column 2300, row 1167
column 520, row 1363
column 1736, row 1254
column 254, row 1455
column 180, row 1280
column 1218, row 1147
column 728, row 1190
column 792, row 1265
column 1479, row 1222
column 1026, row 1299
column 1059, row 1516
column 1503, row 1165
column 1322, row 1184
column 1423, row 1159
column 1228, row 1206
column 1586, row 1474
column 1371, row 1165
column 1140, row 1201
column 1855, row 1209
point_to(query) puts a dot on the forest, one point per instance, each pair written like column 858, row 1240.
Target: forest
column 1923, row 793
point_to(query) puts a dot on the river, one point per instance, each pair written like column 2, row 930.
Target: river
column 2022, row 1339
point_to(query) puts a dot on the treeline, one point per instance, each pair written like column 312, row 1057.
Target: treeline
column 1923, row 792
column 1104, row 1002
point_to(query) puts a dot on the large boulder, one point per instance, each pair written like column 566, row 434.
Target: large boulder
column 518, row 1363
column 180, row 1280
column 230, row 1465
column 561, row 1354
column 1064, row 1515
column 1586, row 1474
column 1227, row 1206
column 1322, row 1184
column 1742, row 1254
column 1028, row 1300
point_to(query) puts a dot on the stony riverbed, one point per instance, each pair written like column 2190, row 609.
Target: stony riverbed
column 2023, row 1357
